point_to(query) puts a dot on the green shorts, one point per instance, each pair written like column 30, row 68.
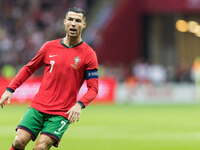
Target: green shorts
column 36, row 122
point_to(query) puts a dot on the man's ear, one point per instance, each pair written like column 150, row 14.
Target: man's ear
column 84, row 24
column 64, row 21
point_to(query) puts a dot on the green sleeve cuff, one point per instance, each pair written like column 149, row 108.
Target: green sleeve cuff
column 10, row 90
column 81, row 103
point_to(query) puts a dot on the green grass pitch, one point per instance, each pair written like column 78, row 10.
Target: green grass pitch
column 120, row 127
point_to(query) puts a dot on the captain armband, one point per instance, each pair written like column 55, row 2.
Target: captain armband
column 91, row 74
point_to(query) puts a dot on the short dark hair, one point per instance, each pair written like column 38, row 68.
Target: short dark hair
column 77, row 10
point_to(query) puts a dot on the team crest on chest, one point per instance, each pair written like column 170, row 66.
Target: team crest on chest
column 76, row 61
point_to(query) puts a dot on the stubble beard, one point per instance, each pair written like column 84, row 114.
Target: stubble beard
column 73, row 36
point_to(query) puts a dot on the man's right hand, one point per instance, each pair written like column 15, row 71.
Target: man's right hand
column 6, row 96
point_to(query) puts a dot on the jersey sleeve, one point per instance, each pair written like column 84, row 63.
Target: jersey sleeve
column 91, row 76
column 28, row 69
column 91, row 61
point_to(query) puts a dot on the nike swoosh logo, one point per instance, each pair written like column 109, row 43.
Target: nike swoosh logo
column 52, row 55
column 56, row 132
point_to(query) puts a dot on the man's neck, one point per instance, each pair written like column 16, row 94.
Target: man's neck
column 70, row 41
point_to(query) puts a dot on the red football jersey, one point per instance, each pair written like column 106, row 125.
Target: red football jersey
column 65, row 71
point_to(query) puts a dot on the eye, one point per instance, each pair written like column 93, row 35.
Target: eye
column 70, row 19
column 78, row 20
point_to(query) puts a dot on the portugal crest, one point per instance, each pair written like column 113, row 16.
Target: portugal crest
column 76, row 61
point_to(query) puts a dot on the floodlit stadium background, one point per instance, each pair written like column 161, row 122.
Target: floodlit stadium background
column 149, row 67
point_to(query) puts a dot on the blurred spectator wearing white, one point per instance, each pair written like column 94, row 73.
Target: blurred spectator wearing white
column 157, row 74
column 140, row 71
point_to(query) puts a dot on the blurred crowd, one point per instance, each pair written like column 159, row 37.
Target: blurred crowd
column 26, row 25
column 143, row 72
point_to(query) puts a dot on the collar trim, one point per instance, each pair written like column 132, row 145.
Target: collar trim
column 62, row 42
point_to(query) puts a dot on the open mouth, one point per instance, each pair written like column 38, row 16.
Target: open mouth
column 72, row 30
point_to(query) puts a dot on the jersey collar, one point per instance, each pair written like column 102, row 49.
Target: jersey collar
column 61, row 41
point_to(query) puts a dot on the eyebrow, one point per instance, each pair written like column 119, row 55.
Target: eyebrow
column 77, row 19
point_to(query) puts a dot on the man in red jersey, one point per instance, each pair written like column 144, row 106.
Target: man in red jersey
column 68, row 62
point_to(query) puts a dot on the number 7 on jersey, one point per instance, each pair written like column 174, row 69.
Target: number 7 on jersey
column 52, row 62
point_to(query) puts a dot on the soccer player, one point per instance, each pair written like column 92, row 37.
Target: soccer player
column 68, row 62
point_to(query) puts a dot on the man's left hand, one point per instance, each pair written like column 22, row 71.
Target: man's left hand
column 74, row 113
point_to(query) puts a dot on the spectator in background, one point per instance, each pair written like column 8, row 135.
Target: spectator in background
column 183, row 73
column 140, row 71
column 196, row 76
column 8, row 71
column 157, row 74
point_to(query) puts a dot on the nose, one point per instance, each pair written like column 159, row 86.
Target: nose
column 73, row 23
